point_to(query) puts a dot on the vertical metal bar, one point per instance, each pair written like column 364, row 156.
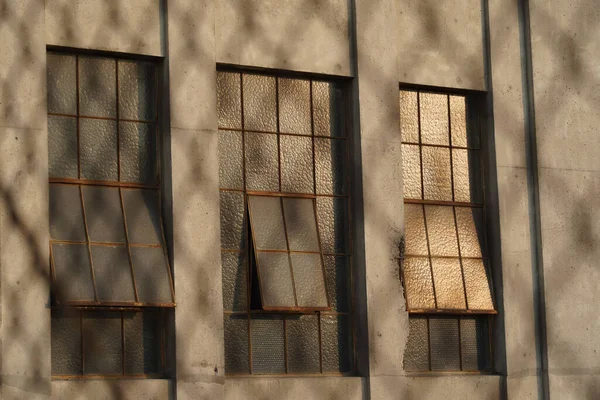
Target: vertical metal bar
column 162, row 328
column 135, row 291
column 278, row 131
column 429, row 342
column 87, row 238
column 285, row 345
column 462, row 271
column 122, row 343
column 82, row 336
column 312, row 134
column 287, row 242
column 77, row 106
column 460, row 345
column 429, row 256
column 319, row 316
column 118, row 124
column 420, row 144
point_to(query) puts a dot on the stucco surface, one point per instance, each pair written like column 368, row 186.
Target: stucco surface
column 483, row 387
column 147, row 389
column 295, row 388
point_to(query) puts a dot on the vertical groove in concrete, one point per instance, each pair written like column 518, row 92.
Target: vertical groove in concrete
column 534, row 201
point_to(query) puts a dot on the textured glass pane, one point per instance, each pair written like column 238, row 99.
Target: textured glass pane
column 414, row 230
column 62, row 147
column 142, row 333
column 327, row 103
column 275, row 277
column 137, row 90
column 309, row 280
column 231, row 165
column 97, row 87
column 102, row 352
column 479, row 295
column 333, row 224
column 113, row 274
column 467, row 233
column 418, row 284
column 447, row 277
column 337, row 271
column 301, row 224
column 262, row 168
column 233, row 220
column 237, row 357
column 151, row 275
column 296, row 164
column 437, row 184
column 416, row 354
column 458, row 120
column 235, row 281
column 411, row 171
column 138, row 152
column 62, row 82
column 409, row 117
column 443, row 336
column 441, row 231
column 104, row 214
column 467, row 175
column 336, row 338
column 267, row 223
column 98, row 149
column 330, row 166
column 434, row 118
column 294, row 106
column 475, row 344
column 72, row 272
column 66, row 217
column 143, row 216
column 66, row 343
column 259, row 103
column 303, row 344
column 268, row 355
column 229, row 100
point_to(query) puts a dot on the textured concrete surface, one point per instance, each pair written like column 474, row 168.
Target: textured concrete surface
column 295, row 388
column 147, row 389
column 131, row 26
column 477, row 387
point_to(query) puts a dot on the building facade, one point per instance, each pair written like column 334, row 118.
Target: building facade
column 383, row 199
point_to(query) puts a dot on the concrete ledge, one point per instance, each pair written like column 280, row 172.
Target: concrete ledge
column 122, row 389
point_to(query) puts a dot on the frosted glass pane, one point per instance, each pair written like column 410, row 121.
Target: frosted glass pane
column 142, row 334
column 267, row 222
column 434, row 118
column 97, row 87
column 268, row 353
column 333, row 224
column 414, row 230
column 303, row 344
column 229, row 100
column 443, row 336
column 418, row 283
column 441, row 231
column 137, row 90
column 262, row 168
column 98, row 149
column 296, row 164
column 65, row 343
column 411, row 171
column 138, row 153
column 475, row 344
column 309, row 280
column 336, row 338
column 72, row 272
column 322, row 108
column 235, row 281
column 151, row 275
column 259, row 103
column 409, row 117
column 300, row 223
column 66, row 217
column 113, row 274
column 103, row 214
column 62, row 83
column 102, row 352
column 416, row 354
column 233, row 221
column 237, row 357
column 467, row 232
column 447, row 277
column 458, row 120
column 467, row 170
column 231, row 165
column 294, row 106
column 143, row 216
column 330, row 166
column 337, row 272
column 275, row 280
column 479, row 295
column 437, row 182
column 62, row 147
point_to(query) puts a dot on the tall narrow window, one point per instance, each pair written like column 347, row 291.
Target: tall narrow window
column 285, row 228
column 110, row 271
column 444, row 265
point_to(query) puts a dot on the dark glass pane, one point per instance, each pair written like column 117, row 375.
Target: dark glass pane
column 143, row 218
column 336, row 338
column 337, row 271
column 262, row 162
column 294, row 106
column 479, row 295
column 231, row 168
column 137, row 90
column 268, row 355
column 235, row 281
column 97, row 87
column 330, row 166
column 416, row 354
column 458, row 121
column 151, row 275
column 237, row 358
column 475, row 343
column 275, row 280
column 267, row 223
column 66, row 343
column 72, row 272
column 104, row 214
column 62, row 82
column 301, row 224
column 98, row 149
column 333, row 224
column 327, row 109
column 229, row 100
column 466, row 167
column 303, row 344
column 296, row 164
column 443, row 337
column 66, row 216
column 142, row 334
column 62, row 147
column 259, row 103
column 138, row 152
column 233, row 224
column 102, row 352
column 468, row 221
column 309, row 280
column 113, row 274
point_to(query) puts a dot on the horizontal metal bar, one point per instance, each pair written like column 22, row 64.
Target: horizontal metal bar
column 285, row 194
column 262, row 376
column 84, row 182
column 120, row 376
column 296, row 309
column 404, row 256
column 111, row 244
column 107, row 304
column 283, row 133
column 264, row 312
column 101, row 118
column 243, row 250
column 452, row 312
column 286, row 251
column 279, row 194
column 443, row 146
column 442, row 203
